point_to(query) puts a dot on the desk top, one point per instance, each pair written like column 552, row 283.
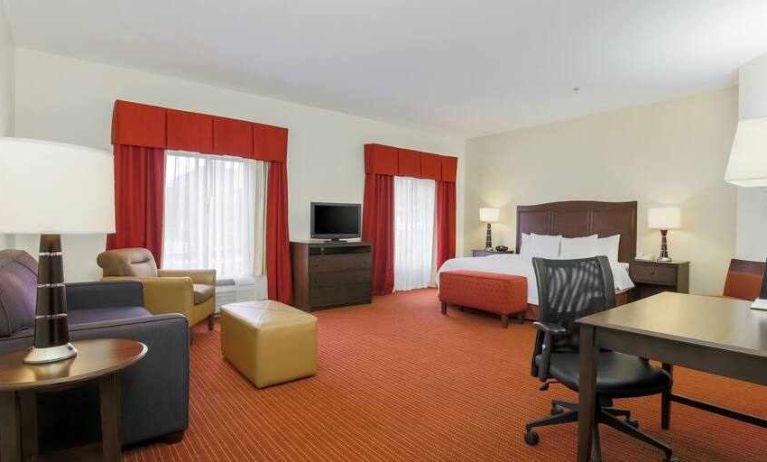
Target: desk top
column 722, row 323
column 95, row 358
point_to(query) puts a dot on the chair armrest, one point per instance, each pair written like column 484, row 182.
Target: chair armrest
column 84, row 295
column 166, row 294
column 548, row 327
column 199, row 276
column 549, row 330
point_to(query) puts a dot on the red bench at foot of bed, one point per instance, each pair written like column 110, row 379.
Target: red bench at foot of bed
column 503, row 294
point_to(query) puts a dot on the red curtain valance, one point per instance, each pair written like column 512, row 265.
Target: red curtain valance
column 388, row 160
column 158, row 127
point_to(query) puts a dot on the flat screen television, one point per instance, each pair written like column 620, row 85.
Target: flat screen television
column 335, row 221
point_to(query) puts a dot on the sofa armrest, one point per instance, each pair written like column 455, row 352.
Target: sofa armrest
column 155, row 391
column 166, row 294
column 84, row 295
column 199, row 276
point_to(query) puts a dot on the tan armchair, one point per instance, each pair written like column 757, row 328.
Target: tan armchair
column 189, row 292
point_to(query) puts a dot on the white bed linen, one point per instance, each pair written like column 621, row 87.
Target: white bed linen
column 521, row 265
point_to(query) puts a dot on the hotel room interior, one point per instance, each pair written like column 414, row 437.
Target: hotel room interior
column 520, row 230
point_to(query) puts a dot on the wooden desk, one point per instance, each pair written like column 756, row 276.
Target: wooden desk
column 100, row 360
column 717, row 335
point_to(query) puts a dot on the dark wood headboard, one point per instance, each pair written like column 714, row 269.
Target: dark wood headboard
column 582, row 218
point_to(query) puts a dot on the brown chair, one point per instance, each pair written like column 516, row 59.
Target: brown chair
column 744, row 279
column 189, row 292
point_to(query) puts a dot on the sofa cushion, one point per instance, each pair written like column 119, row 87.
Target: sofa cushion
column 18, row 291
column 202, row 292
column 106, row 314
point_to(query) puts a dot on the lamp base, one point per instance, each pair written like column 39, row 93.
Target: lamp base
column 50, row 354
column 664, row 259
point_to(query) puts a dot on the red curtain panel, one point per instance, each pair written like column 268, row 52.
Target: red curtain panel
column 378, row 229
column 445, row 221
column 141, row 132
column 279, row 275
column 139, row 193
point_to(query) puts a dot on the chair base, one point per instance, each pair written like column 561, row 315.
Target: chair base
column 567, row 412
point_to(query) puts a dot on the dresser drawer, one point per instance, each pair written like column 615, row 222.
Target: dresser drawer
column 340, row 295
column 653, row 274
column 339, row 278
column 329, row 263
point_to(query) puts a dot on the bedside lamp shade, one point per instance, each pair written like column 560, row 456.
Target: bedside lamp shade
column 52, row 189
column 747, row 166
column 488, row 215
column 664, row 218
column 55, row 188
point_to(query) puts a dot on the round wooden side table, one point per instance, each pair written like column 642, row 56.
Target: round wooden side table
column 99, row 360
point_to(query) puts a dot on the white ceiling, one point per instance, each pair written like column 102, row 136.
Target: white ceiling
column 472, row 67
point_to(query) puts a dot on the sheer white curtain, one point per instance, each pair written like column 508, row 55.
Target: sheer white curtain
column 214, row 214
column 413, row 232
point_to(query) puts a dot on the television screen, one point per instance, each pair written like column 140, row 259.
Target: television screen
column 335, row 221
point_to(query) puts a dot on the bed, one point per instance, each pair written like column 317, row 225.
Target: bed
column 569, row 219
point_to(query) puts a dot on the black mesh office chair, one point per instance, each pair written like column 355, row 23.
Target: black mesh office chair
column 567, row 290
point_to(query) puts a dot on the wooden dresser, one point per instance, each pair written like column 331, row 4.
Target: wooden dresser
column 329, row 274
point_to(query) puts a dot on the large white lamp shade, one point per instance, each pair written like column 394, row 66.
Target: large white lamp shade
column 52, row 189
column 55, row 188
column 747, row 166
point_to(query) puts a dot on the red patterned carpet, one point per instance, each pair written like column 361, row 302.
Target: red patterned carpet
column 397, row 381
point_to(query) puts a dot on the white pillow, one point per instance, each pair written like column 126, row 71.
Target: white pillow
column 579, row 247
column 525, row 246
column 545, row 246
column 608, row 246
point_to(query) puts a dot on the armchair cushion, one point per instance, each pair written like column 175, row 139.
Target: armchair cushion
column 127, row 262
column 202, row 292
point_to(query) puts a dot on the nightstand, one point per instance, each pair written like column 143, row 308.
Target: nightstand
column 484, row 253
column 652, row 277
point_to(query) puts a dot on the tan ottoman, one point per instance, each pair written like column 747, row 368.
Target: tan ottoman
column 269, row 342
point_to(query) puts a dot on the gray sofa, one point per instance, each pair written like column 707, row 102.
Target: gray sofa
column 155, row 391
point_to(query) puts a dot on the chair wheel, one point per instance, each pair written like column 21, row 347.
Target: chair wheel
column 671, row 459
column 531, row 437
column 633, row 423
column 556, row 410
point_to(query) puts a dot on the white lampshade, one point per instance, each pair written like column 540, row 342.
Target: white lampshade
column 488, row 215
column 664, row 218
column 748, row 157
column 55, row 188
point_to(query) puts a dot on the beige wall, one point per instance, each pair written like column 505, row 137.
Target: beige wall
column 70, row 100
column 6, row 90
column 6, row 77
column 673, row 152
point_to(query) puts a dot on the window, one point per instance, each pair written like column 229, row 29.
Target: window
column 214, row 214
column 413, row 232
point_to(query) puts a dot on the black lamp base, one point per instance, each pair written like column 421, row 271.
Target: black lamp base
column 51, row 327
column 664, row 257
column 488, row 238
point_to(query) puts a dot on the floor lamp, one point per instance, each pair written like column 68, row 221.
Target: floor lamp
column 52, row 189
column 747, row 168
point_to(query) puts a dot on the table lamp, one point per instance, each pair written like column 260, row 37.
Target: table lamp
column 747, row 168
column 664, row 218
column 488, row 215
column 52, row 189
